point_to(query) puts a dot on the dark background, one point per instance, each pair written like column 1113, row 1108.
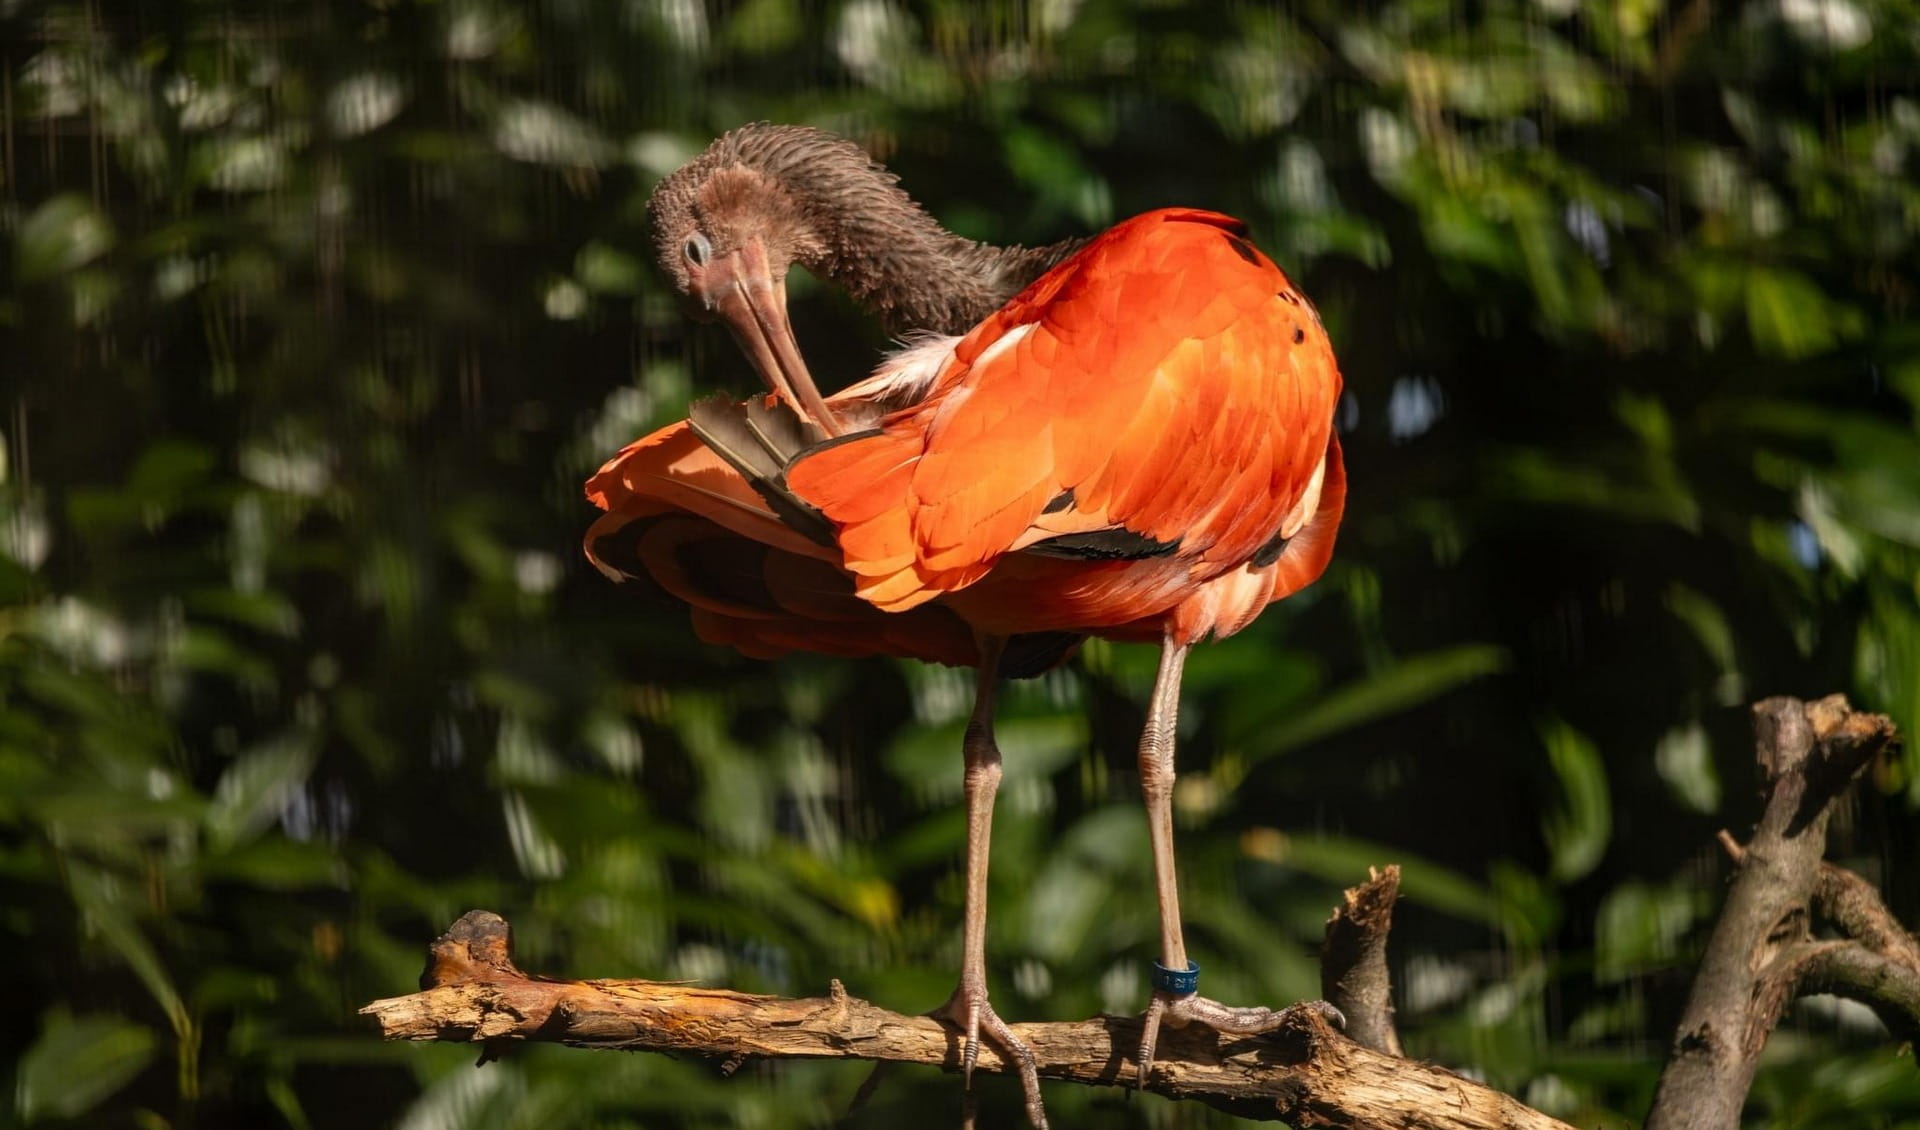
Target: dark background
column 318, row 314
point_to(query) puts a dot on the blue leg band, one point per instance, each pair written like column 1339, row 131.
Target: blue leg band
column 1176, row 980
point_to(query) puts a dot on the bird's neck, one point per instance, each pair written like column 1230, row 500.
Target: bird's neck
column 918, row 275
column 871, row 239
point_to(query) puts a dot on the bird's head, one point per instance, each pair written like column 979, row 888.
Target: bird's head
column 726, row 227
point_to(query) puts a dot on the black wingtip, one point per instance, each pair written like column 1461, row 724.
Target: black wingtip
column 1103, row 545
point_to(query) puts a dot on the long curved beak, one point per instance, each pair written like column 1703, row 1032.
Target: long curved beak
column 742, row 290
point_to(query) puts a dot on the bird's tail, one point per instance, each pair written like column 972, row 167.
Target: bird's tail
column 747, row 556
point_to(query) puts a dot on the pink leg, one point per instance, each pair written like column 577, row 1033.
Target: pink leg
column 968, row 1007
column 1175, row 1009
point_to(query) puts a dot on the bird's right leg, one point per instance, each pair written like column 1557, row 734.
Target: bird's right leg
column 968, row 1007
column 1175, row 1001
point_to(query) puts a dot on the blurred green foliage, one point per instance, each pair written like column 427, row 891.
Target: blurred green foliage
column 316, row 316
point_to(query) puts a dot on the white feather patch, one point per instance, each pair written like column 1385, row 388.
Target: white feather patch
column 905, row 375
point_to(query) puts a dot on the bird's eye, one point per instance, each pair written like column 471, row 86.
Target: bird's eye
column 698, row 250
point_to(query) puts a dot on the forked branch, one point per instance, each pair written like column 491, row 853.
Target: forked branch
column 1763, row 951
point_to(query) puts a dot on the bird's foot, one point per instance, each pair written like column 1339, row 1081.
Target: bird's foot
column 1179, row 1009
column 969, row 1011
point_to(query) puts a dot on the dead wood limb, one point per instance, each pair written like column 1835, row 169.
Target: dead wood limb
column 1306, row 1073
column 1880, row 966
column 1889, row 987
column 1353, row 960
column 1853, row 907
column 1762, row 948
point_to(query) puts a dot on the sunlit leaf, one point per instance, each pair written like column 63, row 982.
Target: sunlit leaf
column 1709, row 626
column 62, row 234
column 605, row 269
column 1684, row 758
column 1641, row 925
column 543, row 133
column 467, row 1100
column 1080, row 878
column 1030, row 747
column 105, row 906
column 76, row 1063
column 364, row 102
column 1528, row 907
column 1406, row 684
column 1579, row 823
column 1788, row 315
column 257, row 786
column 280, row 864
column 759, row 27
column 1344, row 861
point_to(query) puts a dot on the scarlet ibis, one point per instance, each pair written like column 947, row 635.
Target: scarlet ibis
column 1137, row 445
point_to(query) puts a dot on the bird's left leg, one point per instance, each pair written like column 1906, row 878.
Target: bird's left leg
column 1176, row 1001
column 968, row 1007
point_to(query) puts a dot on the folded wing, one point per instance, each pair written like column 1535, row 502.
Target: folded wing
column 1166, row 388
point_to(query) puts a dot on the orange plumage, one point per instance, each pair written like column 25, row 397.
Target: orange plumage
column 680, row 515
column 1169, row 376
column 1167, row 381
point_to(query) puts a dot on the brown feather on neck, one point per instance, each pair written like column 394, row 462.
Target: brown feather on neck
column 820, row 201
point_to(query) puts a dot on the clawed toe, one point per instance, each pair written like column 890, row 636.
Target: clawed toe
column 970, row 1012
column 1177, row 1010
column 1327, row 1012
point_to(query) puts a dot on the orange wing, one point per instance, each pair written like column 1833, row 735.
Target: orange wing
column 671, row 470
column 1168, row 380
column 680, row 516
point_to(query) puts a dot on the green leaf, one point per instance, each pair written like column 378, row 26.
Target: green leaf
column 1715, row 633
column 1787, row 315
column 1640, row 926
column 105, row 903
column 1032, row 748
column 1577, row 828
column 203, row 648
column 277, row 863
column 1684, row 759
column 1345, row 860
column 1528, row 908
column 759, row 27
column 606, row 269
column 1406, row 684
column 63, row 234
column 1077, row 881
column 77, row 1063
column 1638, row 492
column 167, row 469
column 257, row 786
column 475, row 1100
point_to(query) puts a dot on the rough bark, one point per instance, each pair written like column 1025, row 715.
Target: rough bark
column 1762, row 949
column 1305, row 1074
column 1851, row 905
column 1353, row 960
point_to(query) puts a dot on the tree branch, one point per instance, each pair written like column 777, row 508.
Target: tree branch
column 1762, row 949
column 1851, row 970
column 1305, row 1073
column 1855, row 909
column 1353, row 960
